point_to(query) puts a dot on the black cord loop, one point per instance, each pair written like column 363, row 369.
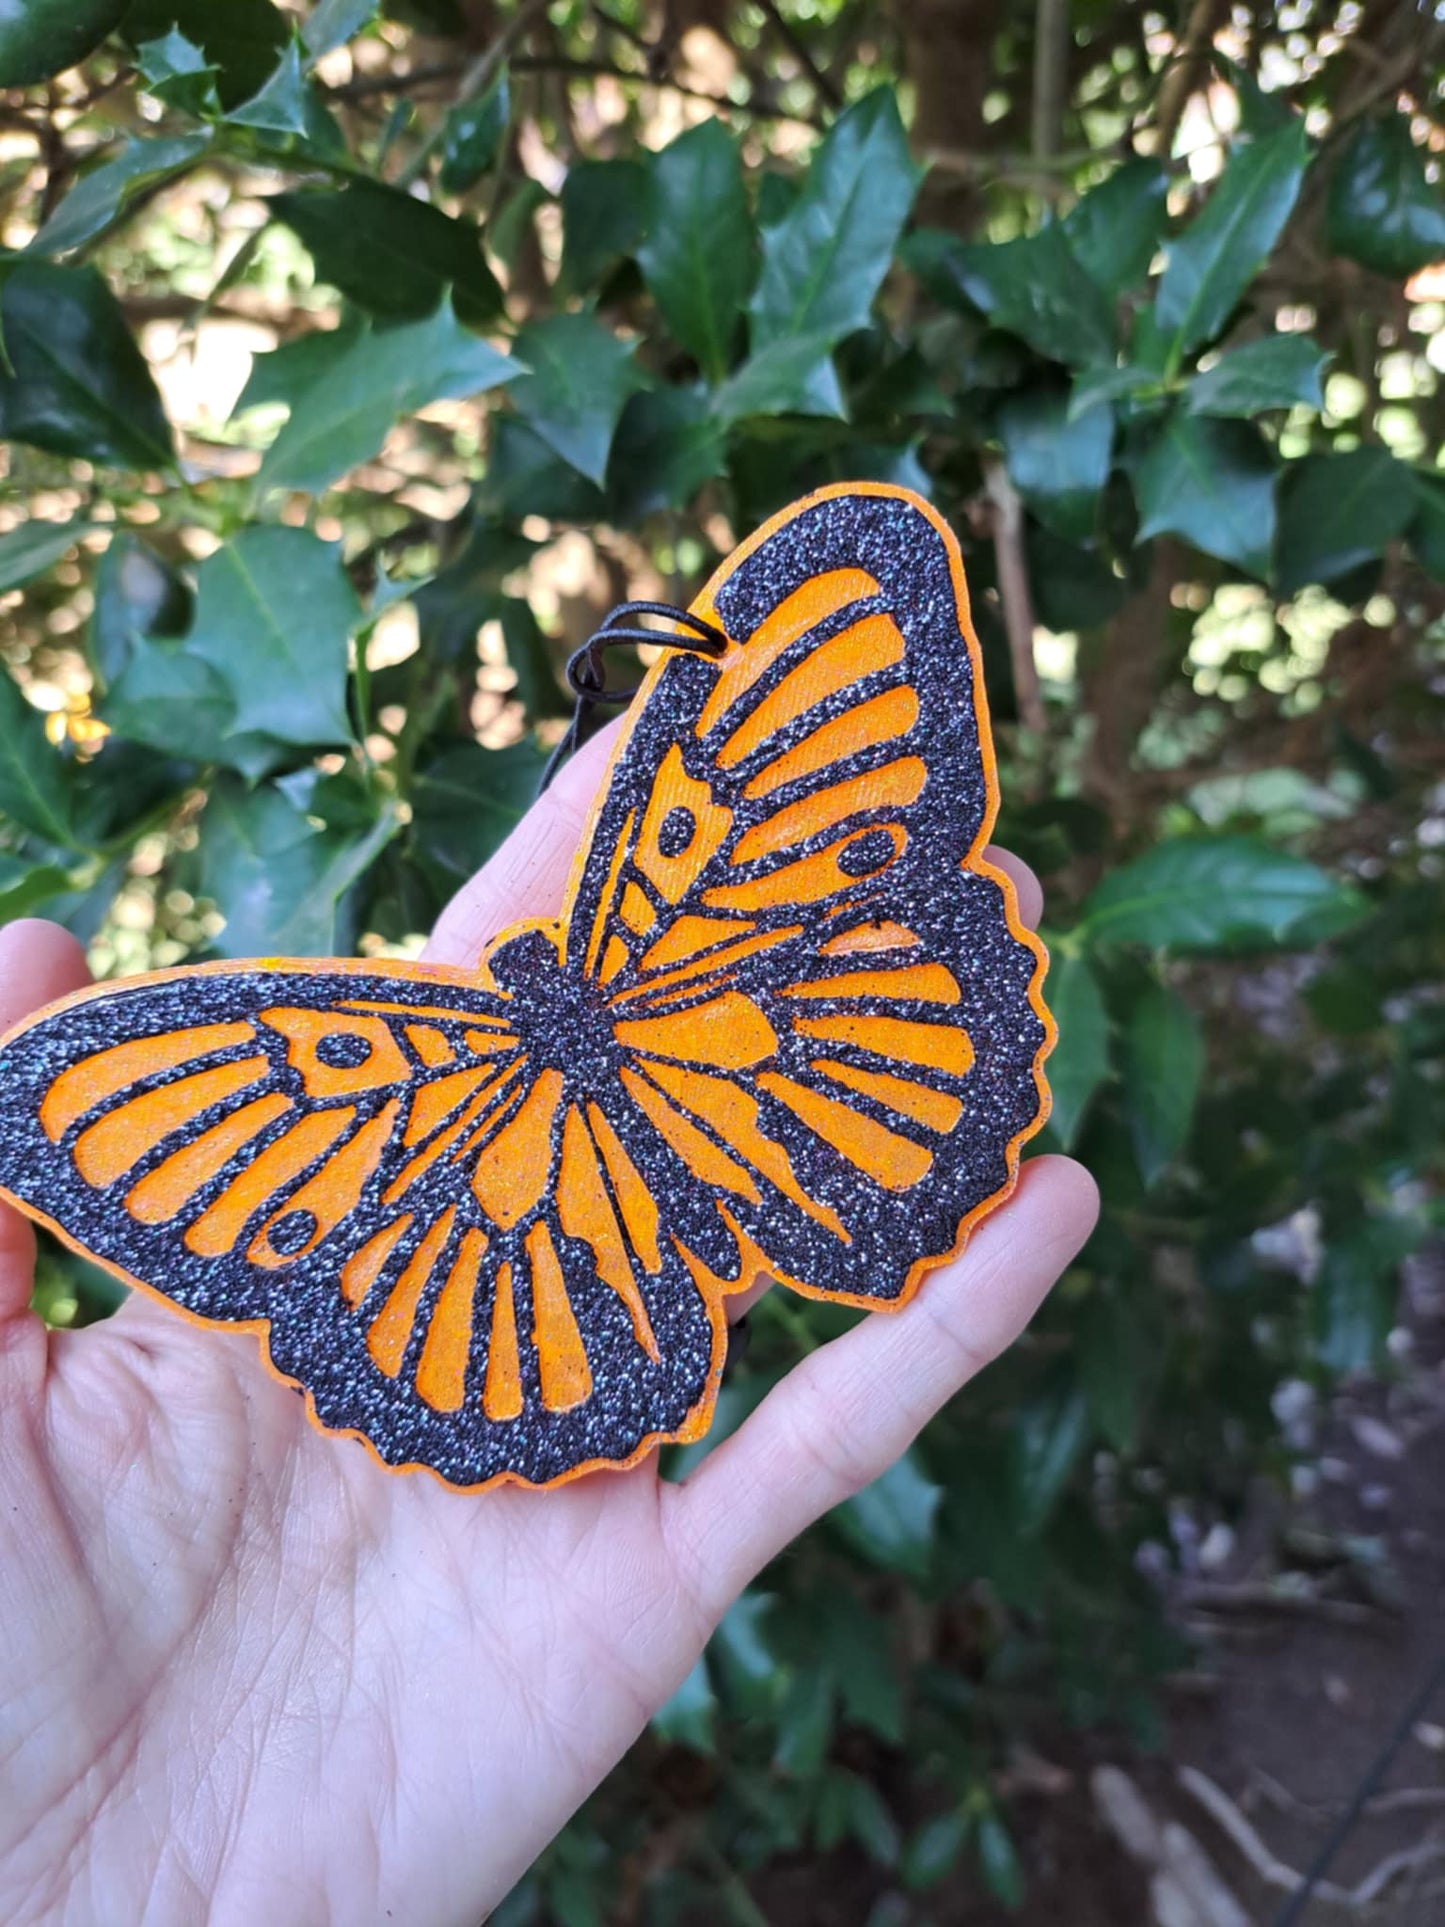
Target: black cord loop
column 587, row 666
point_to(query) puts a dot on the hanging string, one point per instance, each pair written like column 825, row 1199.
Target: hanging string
column 587, row 666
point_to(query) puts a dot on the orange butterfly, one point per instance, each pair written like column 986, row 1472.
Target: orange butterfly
column 787, row 1022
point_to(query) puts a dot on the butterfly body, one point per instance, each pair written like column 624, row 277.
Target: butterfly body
column 787, row 1021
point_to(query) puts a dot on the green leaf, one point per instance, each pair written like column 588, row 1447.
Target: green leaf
column 472, row 140
column 1034, row 287
column 170, row 700
column 1163, row 1063
column 1079, row 1062
column 378, row 376
column 1426, row 530
column 1337, row 511
column 1048, row 1437
column 176, row 71
column 1357, row 1293
column 390, row 253
column 795, row 377
column 334, row 22
column 604, row 212
column 288, row 373
column 804, row 1722
column 1211, row 893
column 39, row 39
column 697, row 259
column 934, row 1850
column 998, row 1860
column 742, row 1656
column 1058, row 463
column 1116, row 228
column 77, row 384
column 581, row 376
column 668, row 443
column 36, row 787
column 1113, row 1367
column 283, row 105
column 34, row 547
column 274, row 612
column 1217, row 256
column 466, row 800
column 1213, row 483
column 25, row 887
column 688, row 1718
column 890, row 1522
column 275, row 877
column 870, row 1821
column 1383, row 209
column 241, row 38
column 1276, row 372
column 100, row 198
column 1096, row 385
column 825, row 259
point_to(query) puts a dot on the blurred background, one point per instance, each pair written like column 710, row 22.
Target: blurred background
column 358, row 358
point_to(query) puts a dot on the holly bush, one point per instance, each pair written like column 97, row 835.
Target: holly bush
column 357, row 358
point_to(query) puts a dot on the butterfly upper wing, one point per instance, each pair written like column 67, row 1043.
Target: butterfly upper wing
column 827, row 1015
column 364, row 1158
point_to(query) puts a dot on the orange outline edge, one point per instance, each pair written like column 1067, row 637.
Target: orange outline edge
column 699, row 1419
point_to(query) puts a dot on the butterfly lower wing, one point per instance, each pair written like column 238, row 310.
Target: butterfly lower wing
column 366, row 1161
column 811, row 810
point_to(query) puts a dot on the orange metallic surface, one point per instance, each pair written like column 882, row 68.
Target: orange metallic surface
column 674, row 789
column 165, row 1192
column 512, row 1172
column 502, row 1389
column 635, row 1201
column 585, row 1211
column 897, row 1163
column 305, row 1029
column 891, row 787
column 921, row 1102
column 728, row 1032
column 933, row 1046
column 561, row 1358
column 85, row 1085
column 441, row 1375
column 879, row 721
column 873, row 644
column 219, row 1226
column 107, row 1150
column 392, row 1326
column 733, row 1114
column 808, row 880
column 924, row 983
column 813, row 603
column 364, row 1267
column 334, row 1190
column 867, row 937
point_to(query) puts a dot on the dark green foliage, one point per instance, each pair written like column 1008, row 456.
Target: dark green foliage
column 322, row 637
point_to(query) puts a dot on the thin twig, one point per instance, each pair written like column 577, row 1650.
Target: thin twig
column 798, row 47
column 1051, row 72
column 1013, row 588
column 1186, row 70
column 475, row 80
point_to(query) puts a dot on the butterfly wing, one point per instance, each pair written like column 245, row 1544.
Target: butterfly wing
column 829, row 1021
column 363, row 1159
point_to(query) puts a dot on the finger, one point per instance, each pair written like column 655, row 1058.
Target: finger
column 38, row 963
column 1028, row 891
column 528, row 874
column 845, row 1414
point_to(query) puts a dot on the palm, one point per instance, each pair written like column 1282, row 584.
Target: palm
column 248, row 1672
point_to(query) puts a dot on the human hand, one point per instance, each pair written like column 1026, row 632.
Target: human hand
column 248, row 1674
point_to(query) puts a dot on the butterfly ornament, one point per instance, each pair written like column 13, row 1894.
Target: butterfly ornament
column 787, row 1023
